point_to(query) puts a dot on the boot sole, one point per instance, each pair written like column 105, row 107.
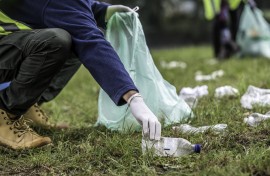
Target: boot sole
column 33, row 145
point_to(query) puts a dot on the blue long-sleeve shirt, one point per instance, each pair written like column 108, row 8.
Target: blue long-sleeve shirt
column 80, row 19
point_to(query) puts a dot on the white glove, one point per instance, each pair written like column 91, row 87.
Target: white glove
column 116, row 8
column 151, row 125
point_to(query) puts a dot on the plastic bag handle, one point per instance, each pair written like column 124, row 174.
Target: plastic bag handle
column 136, row 8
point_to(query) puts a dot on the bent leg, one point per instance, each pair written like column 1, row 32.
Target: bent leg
column 30, row 60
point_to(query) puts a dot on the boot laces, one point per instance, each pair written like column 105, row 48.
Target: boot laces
column 20, row 126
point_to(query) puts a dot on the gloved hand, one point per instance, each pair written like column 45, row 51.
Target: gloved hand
column 151, row 125
column 116, row 8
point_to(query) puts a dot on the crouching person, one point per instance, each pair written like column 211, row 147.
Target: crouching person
column 29, row 59
column 35, row 60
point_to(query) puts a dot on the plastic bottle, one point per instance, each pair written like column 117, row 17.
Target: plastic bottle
column 173, row 147
column 186, row 128
column 255, row 119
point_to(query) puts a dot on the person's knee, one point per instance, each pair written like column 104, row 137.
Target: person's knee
column 60, row 40
column 60, row 37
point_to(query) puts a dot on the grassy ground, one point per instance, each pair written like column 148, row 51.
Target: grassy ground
column 87, row 150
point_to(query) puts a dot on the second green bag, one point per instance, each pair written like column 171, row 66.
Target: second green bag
column 253, row 35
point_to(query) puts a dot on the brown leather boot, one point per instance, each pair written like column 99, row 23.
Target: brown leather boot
column 38, row 118
column 16, row 134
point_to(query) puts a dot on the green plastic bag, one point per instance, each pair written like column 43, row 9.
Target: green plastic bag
column 125, row 33
column 253, row 35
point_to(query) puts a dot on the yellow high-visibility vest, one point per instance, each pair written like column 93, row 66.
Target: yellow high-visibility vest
column 234, row 4
column 8, row 25
column 212, row 7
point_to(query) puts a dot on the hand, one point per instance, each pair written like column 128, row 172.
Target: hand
column 151, row 125
column 116, row 8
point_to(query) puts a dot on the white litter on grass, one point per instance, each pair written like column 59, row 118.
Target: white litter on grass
column 198, row 91
column 186, row 128
column 173, row 64
column 255, row 119
column 226, row 91
column 214, row 75
column 191, row 95
column 255, row 96
column 171, row 147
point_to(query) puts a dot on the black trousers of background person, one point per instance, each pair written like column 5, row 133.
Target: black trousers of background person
column 30, row 60
column 218, row 26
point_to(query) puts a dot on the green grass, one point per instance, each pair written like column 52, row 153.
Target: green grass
column 88, row 150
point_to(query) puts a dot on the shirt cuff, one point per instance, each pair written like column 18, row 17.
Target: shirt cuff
column 118, row 98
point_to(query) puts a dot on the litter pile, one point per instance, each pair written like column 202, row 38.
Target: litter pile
column 191, row 95
column 214, row 75
column 255, row 96
column 226, row 91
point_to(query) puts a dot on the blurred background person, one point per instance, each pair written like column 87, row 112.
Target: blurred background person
column 225, row 15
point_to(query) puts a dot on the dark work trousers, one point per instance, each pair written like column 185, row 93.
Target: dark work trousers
column 235, row 20
column 219, row 25
column 70, row 67
column 30, row 60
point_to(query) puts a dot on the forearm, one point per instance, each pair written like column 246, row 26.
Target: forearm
column 127, row 95
column 99, row 10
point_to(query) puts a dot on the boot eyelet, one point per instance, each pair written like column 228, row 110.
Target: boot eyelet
column 10, row 128
column 19, row 135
